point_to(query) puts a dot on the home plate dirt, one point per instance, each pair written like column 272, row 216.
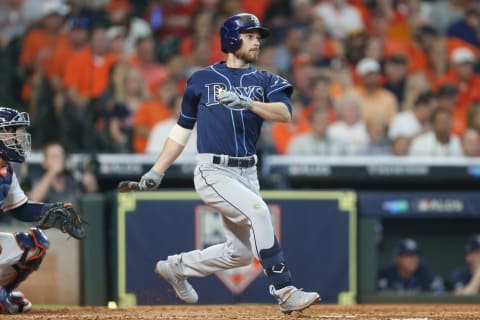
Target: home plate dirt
column 260, row 312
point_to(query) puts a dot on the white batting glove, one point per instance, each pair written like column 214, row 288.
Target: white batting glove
column 234, row 100
column 151, row 180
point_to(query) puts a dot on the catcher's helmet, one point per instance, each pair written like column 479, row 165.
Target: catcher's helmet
column 14, row 138
column 234, row 25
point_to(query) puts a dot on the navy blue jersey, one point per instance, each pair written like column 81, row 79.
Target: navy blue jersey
column 422, row 280
column 221, row 130
column 461, row 276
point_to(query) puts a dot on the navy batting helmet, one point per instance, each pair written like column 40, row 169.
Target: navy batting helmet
column 14, row 138
column 233, row 26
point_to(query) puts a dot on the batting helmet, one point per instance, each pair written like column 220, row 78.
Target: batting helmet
column 14, row 139
column 234, row 25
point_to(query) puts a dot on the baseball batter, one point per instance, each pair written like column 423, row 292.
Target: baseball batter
column 229, row 102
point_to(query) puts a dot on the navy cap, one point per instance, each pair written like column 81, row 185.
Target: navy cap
column 473, row 243
column 79, row 22
column 406, row 246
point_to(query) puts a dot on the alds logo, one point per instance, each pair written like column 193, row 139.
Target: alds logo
column 253, row 92
column 209, row 231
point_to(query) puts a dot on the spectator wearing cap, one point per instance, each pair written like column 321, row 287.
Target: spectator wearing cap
column 40, row 42
column 466, row 278
column 376, row 103
column 36, row 56
column 116, row 37
column 396, row 71
column 77, row 41
column 439, row 141
column 406, row 273
column 87, row 73
column 119, row 15
column 462, row 74
column 340, row 17
column 411, row 123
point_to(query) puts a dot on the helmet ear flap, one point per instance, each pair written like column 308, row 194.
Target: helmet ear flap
column 234, row 43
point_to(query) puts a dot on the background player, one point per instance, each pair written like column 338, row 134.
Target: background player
column 22, row 253
column 229, row 102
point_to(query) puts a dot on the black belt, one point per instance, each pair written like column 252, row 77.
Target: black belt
column 236, row 162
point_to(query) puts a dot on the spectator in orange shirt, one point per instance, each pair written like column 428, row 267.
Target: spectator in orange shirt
column 144, row 59
column 78, row 39
column 87, row 72
column 283, row 133
column 40, row 42
column 376, row 102
column 151, row 112
column 462, row 74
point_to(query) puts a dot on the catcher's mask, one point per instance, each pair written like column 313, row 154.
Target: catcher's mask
column 239, row 23
column 15, row 141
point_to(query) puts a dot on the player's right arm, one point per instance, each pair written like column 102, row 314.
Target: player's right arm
column 176, row 141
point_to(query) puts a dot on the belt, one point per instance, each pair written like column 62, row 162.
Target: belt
column 245, row 162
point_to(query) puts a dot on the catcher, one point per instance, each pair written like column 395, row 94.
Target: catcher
column 21, row 253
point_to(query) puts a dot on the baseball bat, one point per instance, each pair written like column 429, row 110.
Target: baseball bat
column 128, row 186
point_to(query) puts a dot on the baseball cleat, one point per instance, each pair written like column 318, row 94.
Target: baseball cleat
column 293, row 299
column 183, row 289
column 17, row 298
column 13, row 302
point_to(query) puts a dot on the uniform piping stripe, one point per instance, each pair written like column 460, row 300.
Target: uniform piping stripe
column 244, row 143
column 285, row 86
column 234, row 134
column 246, row 74
column 15, row 204
column 243, row 214
column 223, row 76
column 243, row 123
column 183, row 115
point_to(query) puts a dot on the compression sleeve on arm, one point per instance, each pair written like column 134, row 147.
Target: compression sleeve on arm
column 180, row 134
column 30, row 211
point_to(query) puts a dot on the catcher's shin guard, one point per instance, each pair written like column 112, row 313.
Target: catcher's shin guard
column 34, row 245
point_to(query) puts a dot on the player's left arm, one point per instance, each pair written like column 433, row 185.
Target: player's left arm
column 277, row 106
column 277, row 111
column 58, row 215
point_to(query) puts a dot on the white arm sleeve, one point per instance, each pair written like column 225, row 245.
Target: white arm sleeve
column 179, row 134
column 15, row 197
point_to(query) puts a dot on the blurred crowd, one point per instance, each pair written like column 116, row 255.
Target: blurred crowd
column 371, row 77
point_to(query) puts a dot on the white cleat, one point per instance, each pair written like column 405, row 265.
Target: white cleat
column 183, row 289
column 293, row 299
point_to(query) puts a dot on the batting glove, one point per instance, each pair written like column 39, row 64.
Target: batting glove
column 151, row 180
column 235, row 101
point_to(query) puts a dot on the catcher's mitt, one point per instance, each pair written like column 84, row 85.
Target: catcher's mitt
column 62, row 216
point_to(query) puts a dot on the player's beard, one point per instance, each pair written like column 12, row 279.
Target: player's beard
column 247, row 56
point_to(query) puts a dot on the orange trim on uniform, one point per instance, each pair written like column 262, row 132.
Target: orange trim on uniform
column 16, row 204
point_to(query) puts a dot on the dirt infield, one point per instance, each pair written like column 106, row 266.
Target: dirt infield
column 260, row 312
